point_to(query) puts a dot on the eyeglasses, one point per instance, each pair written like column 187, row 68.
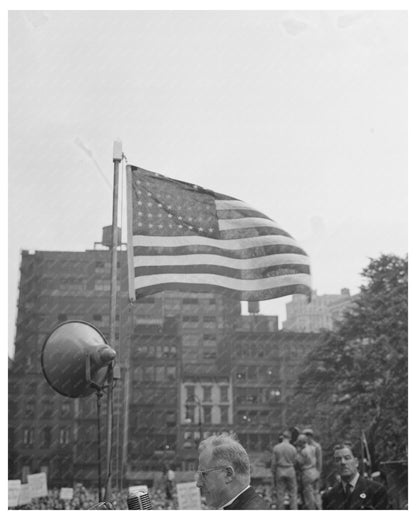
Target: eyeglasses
column 203, row 472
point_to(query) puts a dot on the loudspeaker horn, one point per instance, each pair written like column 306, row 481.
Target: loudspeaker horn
column 75, row 359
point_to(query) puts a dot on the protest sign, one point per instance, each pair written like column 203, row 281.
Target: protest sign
column 24, row 497
column 37, row 485
column 66, row 493
column 14, row 491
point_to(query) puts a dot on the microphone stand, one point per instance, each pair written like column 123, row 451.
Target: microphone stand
column 99, row 396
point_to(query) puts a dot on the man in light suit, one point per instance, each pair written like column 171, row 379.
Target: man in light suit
column 224, row 475
column 353, row 491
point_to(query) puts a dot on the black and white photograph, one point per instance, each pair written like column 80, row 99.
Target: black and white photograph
column 207, row 256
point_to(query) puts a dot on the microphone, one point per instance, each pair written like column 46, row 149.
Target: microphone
column 138, row 498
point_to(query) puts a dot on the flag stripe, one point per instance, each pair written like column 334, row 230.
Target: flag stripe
column 230, row 204
column 224, row 281
column 188, row 251
column 220, row 260
column 190, row 240
column 230, row 234
column 240, row 213
column 250, row 222
column 242, row 274
column 252, row 295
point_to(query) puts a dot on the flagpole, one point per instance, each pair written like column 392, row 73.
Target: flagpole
column 117, row 157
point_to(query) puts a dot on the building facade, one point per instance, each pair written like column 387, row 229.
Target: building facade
column 321, row 313
column 190, row 364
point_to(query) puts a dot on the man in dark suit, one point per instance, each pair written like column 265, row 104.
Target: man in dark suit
column 353, row 491
column 224, row 475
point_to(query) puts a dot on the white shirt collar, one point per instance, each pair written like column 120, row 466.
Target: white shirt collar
column 352, row 482
column 232, row 500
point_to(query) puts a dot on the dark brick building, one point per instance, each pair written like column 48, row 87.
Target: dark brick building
column 190, row 365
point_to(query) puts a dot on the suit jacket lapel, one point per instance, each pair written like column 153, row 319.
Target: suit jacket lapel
column 240, row 499
column 359, row 488
column 340, row 495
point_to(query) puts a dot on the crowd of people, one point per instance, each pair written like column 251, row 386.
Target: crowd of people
column 223, row 477
column 84, row 498
column 296, row 468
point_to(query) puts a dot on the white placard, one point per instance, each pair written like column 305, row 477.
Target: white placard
column 66, row 494
column 14, row 491
column 189, row 496
column 24, row 497
column 38, row 486
column 138, row 489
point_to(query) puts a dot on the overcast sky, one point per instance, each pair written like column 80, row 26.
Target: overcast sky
column 301, row 114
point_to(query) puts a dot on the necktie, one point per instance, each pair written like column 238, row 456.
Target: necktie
column 348, row 492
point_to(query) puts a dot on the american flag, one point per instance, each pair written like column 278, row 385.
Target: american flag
column 188, row 238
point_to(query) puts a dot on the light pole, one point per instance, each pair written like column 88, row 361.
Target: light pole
column 196, row 400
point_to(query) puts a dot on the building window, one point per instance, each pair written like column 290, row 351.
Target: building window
column 62, row 317
column 224, row 394
column 64, row 436
column 210, row 340
column 25, row 473
column 207, row 393
column 142, row 350
column 47, row 437
column 97, row 317
column 190, row 321
column 160, row 374
column 147, row 301
column 188, row 440
column 224, row 414
column 170, row 419
column 171, row 373
column 190, row 340
column 169, row 351
column 190, row 413
column 137, row 374
column 65, row 409
column 190, row 393
column 28, row 436
column 47, row 410
column 193, row 301
column 209, row 354
column 12, row 409
column 29, row 410
column 102, row 285
column 148, row 373
column 11, row 438
column 207, row 414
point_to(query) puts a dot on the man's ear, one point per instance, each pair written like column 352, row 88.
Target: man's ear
column 229, row 474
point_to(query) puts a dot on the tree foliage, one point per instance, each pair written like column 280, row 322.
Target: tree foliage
column 356, row 380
